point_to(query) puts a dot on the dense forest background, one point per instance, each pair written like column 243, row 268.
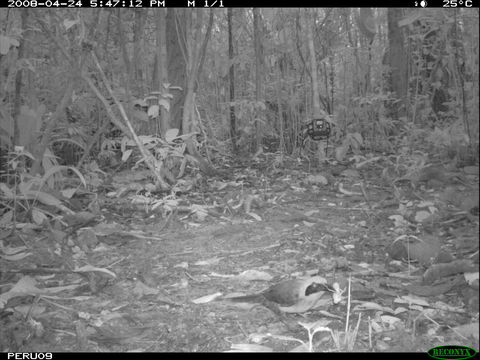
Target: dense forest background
column 388, row 80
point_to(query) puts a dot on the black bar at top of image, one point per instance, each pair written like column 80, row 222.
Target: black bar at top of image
column 105, row 4
column 311, row 3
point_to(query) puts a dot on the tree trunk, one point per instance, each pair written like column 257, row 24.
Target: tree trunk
column 317, row 111
column 193, row 59
column 160, row 70
column 233, row 131
column 175, row 35
column 18, row 79
column 259, row 75
column 195, row 51
column 137, row 62
column 397, row 58
column 278, row 94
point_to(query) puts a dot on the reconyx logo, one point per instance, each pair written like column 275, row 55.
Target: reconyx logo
column 456, row 352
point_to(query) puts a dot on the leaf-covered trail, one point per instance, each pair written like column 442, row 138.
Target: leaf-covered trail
column 240, row 236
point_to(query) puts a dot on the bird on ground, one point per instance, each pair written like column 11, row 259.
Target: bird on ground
column 290, row 296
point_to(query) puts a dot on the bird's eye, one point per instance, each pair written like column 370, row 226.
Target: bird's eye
column 316, row 287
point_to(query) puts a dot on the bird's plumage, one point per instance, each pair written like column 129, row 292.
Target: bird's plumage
column 291, row 296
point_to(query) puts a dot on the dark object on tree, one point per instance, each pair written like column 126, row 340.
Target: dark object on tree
column 318, row 129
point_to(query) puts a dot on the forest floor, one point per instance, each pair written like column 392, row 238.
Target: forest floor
column 152, row 277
